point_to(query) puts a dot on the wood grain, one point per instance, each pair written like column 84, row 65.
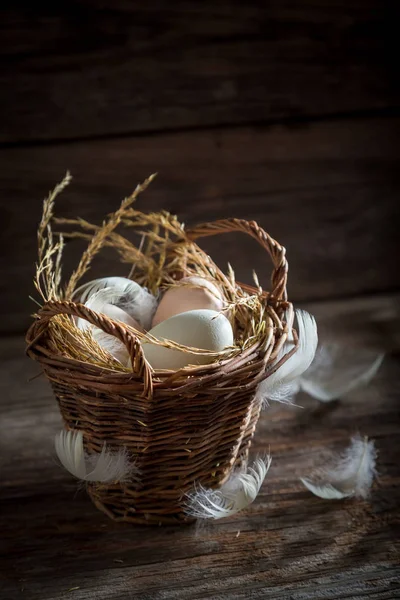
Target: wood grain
column 287, row 545
column 327, row 191
column 81, row 69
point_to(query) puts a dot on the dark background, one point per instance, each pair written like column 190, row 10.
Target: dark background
column 283, row 112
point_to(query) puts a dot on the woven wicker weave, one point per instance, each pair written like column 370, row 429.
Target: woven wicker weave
column 182, row 428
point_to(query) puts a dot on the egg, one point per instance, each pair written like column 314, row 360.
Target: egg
column 194, row 293
column 204, row 329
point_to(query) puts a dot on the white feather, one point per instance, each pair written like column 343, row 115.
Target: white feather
column 105, row 301
column 237, row 493
column 350, row 474
column 128, row 295
column 283, row 384
column 338, row 369
column 284, row 393
column 112, row 345
column 327, row 491
column 108, row 466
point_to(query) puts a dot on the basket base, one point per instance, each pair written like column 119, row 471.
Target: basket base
column 142, row 518
column 142, row 507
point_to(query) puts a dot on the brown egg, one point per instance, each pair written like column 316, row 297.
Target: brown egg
column 200, row 294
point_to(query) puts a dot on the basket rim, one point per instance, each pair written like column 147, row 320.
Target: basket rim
column 39, row 352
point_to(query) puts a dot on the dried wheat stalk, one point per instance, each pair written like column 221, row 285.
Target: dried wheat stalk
column 164, row 255
column 99, row 238
column 48, row 268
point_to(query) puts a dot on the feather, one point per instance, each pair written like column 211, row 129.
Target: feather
column 283, row 393
column 106, row 301
column 237, row 493
column 350, row 474
column 106, row 466
column 112, row 345
column 283, row 384
column 338, row 369
column 326, row 491
column 137, row 301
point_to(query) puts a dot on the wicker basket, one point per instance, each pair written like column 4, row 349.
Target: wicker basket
column 183, row 428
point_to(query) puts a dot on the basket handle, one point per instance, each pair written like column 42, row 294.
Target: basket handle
column 57, row 307
column 275, row 250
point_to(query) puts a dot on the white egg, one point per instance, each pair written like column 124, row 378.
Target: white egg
column 203, row 329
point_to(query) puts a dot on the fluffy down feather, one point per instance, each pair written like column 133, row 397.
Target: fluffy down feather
column 127, row 294
column 108, row 301
column 338, row 369
column 281, row 385
column 108, row 466
column 349, row 474
column 237, row 493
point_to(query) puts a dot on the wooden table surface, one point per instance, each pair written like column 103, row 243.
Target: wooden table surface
column 288, row 544
column 278, row 111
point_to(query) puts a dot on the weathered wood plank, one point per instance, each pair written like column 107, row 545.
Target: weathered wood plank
column 291, row 545
column 89, row 69
column 328, row 192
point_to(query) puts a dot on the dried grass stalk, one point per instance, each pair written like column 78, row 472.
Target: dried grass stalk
column 99, row 238
column 48, row 268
